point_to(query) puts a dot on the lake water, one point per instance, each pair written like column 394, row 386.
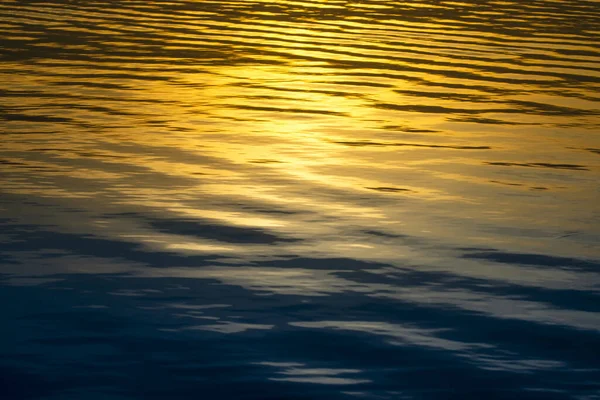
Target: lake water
column 300, row 199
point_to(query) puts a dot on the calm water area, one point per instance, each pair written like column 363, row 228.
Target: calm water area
column 299, row 199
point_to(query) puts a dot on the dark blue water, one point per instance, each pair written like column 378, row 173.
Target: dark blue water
column 319, row 199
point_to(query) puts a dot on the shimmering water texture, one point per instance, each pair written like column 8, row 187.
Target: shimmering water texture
column 299, row 199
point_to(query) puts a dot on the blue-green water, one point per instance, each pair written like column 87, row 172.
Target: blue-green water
column 299, row 200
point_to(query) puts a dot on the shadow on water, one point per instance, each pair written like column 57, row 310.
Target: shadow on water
column 137, row 334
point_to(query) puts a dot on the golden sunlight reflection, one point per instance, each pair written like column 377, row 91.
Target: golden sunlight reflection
column 300, row 198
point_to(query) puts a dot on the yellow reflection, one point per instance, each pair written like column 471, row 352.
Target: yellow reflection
column 340, row 121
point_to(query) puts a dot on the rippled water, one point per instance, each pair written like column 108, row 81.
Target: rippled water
column 317, row 199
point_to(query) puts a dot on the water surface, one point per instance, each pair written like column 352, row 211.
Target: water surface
column 312, row 199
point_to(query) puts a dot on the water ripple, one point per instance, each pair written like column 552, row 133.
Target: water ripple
column 299, row 199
